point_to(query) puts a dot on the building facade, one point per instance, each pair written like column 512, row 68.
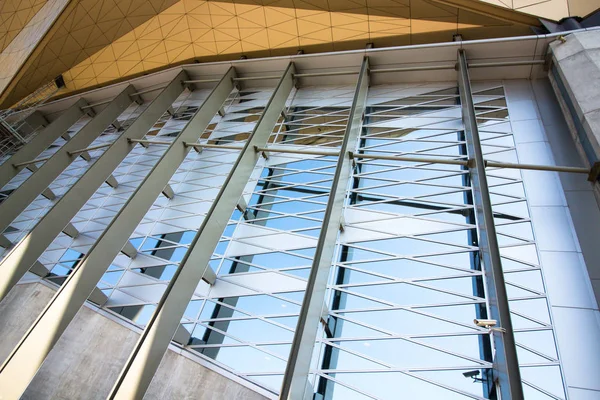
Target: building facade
column 403, row 222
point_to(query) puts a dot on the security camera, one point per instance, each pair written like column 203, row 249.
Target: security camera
column 471, row 374
column 486, row 323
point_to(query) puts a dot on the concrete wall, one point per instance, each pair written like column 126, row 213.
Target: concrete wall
column 577, row 62
column 17, row 313
column 87, row 359
column 566, row 221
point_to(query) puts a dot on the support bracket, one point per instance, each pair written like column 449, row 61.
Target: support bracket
column 86, row 156
column 129, row 250
column 70, row 231
column 49, row 194
column 168, row 192
column 594, row 172
column 112, row 182
column 242, row 205
column 39, row 269
column 4, row 242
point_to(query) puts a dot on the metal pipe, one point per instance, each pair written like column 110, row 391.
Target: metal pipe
column 100, row 103
column 577, row 170
column 314, row 74
column 148, row 90
column 408, row 69
column 256, row 78
column 534, row 167
column 453, row 66
column 506, row 363
column 37, row 160
column 202, row 81
column 212, row 146
column 100, row 146
column 505, row 64
column 410, row 159
column 294, row 151
column 148, row 141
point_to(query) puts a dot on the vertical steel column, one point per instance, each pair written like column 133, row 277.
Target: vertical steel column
column 295, row 379
column 41, row 141
column 47, row 173
column 29, row 354
column 149, row 350
column 31, row 247
column 506, row 364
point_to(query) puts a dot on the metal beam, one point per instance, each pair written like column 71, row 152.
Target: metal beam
column 31, row 351
column 506, row 364
column 41, row 141
column 32, row 246
column 295, row 379
column 149, row 350
column 18, row 201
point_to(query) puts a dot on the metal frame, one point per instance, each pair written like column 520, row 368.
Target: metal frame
column 30, row 248
column 149, row 350
column 506, row 364
column 61, row 159
column 47, row 329
column 266, row 149
column 295, row 381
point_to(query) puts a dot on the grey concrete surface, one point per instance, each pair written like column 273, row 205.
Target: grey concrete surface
column 87, row 359
column 179, row 378
column 578, row 62
column 577, row 59
column 18, row 311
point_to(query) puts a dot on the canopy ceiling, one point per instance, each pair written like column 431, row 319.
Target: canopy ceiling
column 94, row 42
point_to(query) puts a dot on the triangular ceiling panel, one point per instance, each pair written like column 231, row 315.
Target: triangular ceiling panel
column 130, row 37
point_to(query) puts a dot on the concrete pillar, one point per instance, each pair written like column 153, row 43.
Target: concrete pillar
column 28, row 43
column 575, row 79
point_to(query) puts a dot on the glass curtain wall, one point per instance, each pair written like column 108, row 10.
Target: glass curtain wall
column 266, row 264
column 406, row 281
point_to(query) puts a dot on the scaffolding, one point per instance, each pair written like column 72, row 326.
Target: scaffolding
column 13, row 121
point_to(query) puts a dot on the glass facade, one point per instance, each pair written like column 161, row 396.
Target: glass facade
column 406, row 281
